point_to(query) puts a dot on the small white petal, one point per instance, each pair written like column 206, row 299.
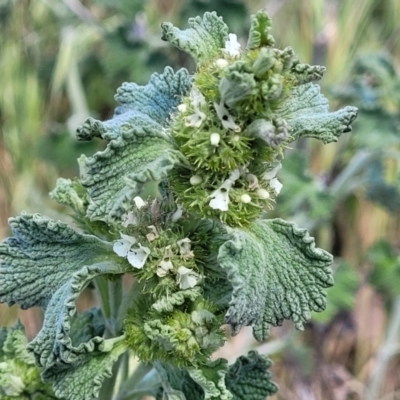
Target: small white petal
column 235, row 175
column 187, row 278
column 262, row 193
column 164, row 267
column 137, row 257
column 122, row 246
column 272, row 173
column 129, row 219
column 182, row 108
column 221, row 63
column 177, row 214
column 153, row 235
column 184, row 248
column 275, row 185
column 232, row 46
column 253, row 181
column 220, row 197
column 227, row 120
column 139, row 202
column 196, row 180
column 245, row 198
column 215, row 139
column 198, row 100
column 195, row 120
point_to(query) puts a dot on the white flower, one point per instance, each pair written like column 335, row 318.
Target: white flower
column 221, row 63
column 197, row 98
column 195, row 120
column 177, row 214
column 272, row 173
column 184, row 248
column 187, row 278
column 275, row 185
column 232, row 46
column 129, row 219
column 227, row 120
column 137, row 257
column 215, row 139
column 165, row 264
column 122, row 246
column 220, row 197
column 153, row 235
column 139, row 202
column 195, row 180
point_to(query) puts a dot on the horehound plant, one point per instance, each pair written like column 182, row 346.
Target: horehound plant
column 178, row 199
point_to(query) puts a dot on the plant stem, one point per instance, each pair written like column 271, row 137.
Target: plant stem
column 131, row 387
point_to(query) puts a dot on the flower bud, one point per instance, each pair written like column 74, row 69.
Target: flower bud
column 215, row 139
column 196, row 180
column 245, row 198
column 182, row 108
column 221, row 63
column 262, row 194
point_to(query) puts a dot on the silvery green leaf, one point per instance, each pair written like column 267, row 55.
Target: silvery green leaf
column 69, row 193
column 236, row 85
column 138, row 152
column 203, row 40
column 87, row 325
column 48, row 264
column 249, row 378
column 82, row 379
column 211, row 378
column 277, row 273
column 306, row 111
column 204, row 383
column 259, row 34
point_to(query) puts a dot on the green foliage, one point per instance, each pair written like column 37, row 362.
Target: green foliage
column 19, row 377
column 177, row 200
column 385, row 271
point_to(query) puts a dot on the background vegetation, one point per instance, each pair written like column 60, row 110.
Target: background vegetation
column 62, row 60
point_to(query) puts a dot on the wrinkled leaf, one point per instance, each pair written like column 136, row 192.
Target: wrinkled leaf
column 277, row 273
column 249, row 378
column 48, row 264
column 307, row 113
column 83, row 378
column 138, row 151
column 203, row 40
column 259, row 34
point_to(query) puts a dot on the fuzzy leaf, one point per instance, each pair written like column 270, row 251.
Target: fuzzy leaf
column 48, row 264
column 249, row 378
column 19, row 376
column 87, row 325
column 277, row 273
column 211, row 378
column 138, row 152
column 82, row 379
column 259, row 34
column 307, row 113
column 69, row 193
column 204, row 39
column 205, row 383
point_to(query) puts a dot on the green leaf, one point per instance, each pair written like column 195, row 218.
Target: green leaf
column 277, row 273
column 87, row 325
column 83, row 378
column 259, row 34
column 19, row 376
column 249, row 378
column 307, row 112
column 204, row 383
column 69, row 193
column 204, row 39
column 48, row 264
column 138, row 151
